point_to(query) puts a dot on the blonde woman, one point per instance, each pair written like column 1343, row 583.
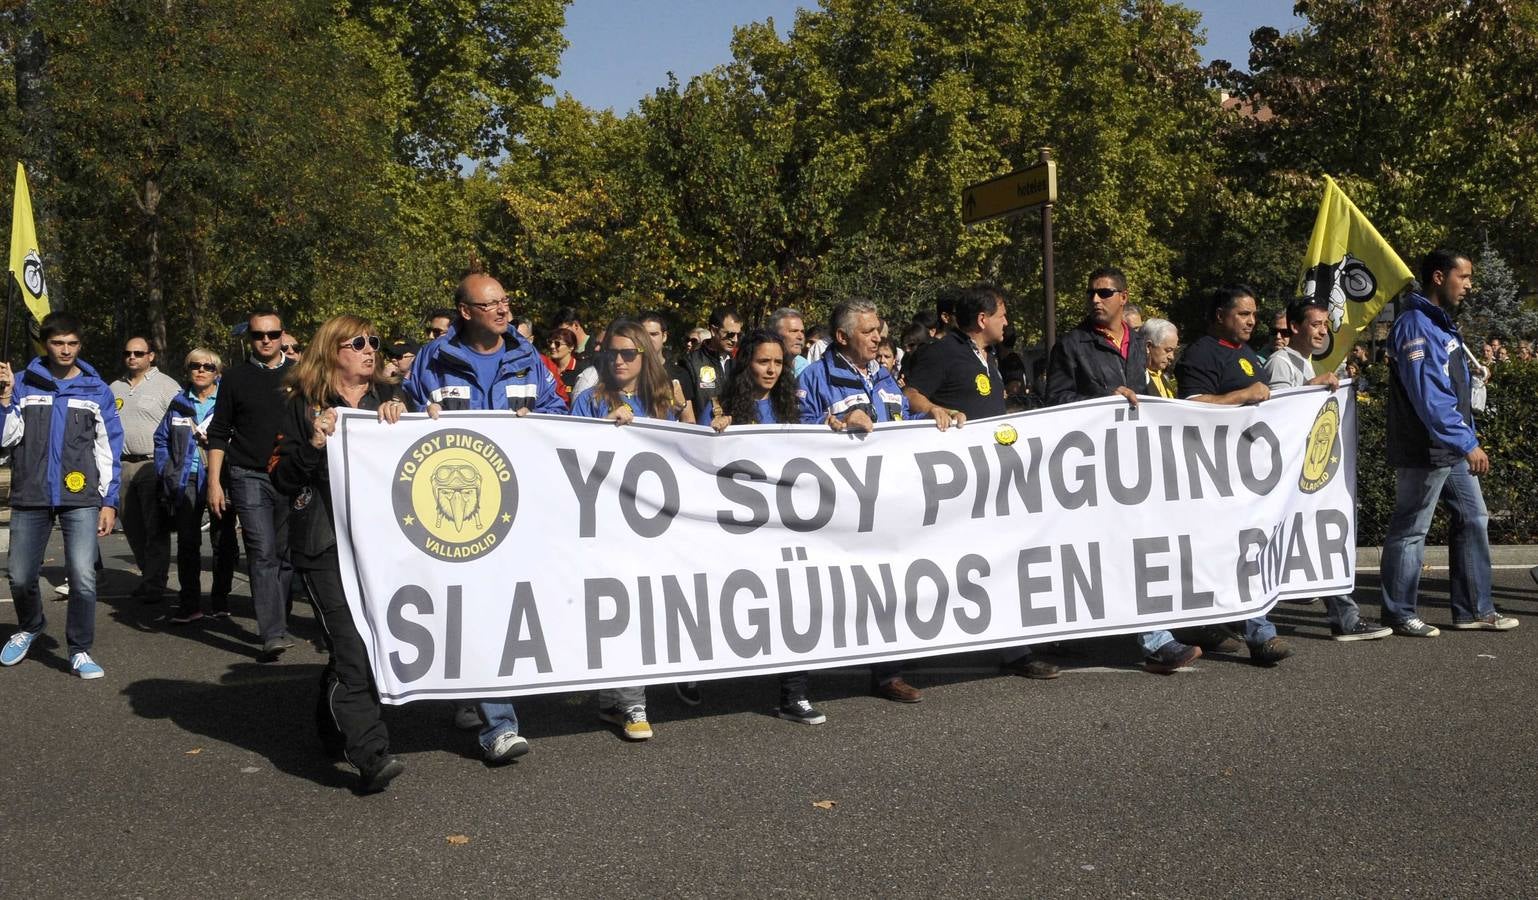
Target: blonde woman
column 340, row 369
column 181, row 466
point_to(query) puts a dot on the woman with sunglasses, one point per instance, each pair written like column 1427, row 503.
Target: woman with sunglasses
column 763, row 392
column 632, row 383
column 339, row 369
column 181, row 466
column 560, row 358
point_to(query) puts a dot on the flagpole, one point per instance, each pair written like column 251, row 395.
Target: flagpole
column 10, row 305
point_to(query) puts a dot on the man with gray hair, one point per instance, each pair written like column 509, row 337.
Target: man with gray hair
column 790, row 325
column 1162, row 339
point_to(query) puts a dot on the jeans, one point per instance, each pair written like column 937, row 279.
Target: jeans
column 1151, row 641
column 1343, row 611
column 622, row 697
column 30, row 527
column 1404, row 546
column 188, row 520
column 499, row 716
column 264, row 522
column 1258, row 630
column 145, row 523
column 347, row 714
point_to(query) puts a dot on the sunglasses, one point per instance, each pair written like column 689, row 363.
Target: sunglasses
column 1103, row 293
column 202, row 367
column 559, row 344
column 137, row 353
column 437, row 332
column 730, row 335
column 265, row 335
column 628, row 355
column 371, row 341
column 289, row 348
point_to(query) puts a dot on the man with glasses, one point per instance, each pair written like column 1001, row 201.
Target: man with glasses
column 240, row 441
column 437, row 323
column 142, row 396
column 290, row 347
column 483, row 363
column 1102, row 357
column 710, row 366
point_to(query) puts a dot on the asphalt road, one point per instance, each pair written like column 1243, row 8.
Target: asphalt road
column 1399, row 767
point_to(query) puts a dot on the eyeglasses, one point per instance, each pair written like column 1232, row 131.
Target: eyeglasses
column 137, row 353
column 437, row 332
column 370, row 341
column 289, row 348
column 264, row 335
column 490, row 307
column 730, row 335
column 629, row 354
column 1104, row 293
column 559, row 344
column 202, row 367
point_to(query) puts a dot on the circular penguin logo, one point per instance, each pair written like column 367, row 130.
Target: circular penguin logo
column 75, row 482
column 1006, row 435
column 1321, row 458
column 1246, row 366
column 32, row 275
column 984, row 386
column 455, row 495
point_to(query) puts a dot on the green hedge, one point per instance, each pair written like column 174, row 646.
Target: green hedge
column 1508, row 433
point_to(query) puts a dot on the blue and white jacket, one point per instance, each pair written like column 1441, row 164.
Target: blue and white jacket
column 443, row 374
column 831, row 385
column 1430, row 407
column 176, row 447
column 67, row 439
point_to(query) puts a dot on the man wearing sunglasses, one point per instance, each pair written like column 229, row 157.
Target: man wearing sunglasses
column 709, row 366
column 483, row 363
column 240, row 441
column 142, row 396
column 1100, row 356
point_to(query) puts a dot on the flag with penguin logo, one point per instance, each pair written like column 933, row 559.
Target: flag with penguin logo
column 1349, row 268
column 26, row 259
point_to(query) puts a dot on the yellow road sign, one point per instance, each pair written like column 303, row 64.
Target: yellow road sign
column 1010, row 194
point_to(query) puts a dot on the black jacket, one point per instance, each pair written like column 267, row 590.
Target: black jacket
column 299, row 472
column 706, row 376
column 1084, row 365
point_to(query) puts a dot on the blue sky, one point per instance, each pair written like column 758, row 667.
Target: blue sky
column 621, row 50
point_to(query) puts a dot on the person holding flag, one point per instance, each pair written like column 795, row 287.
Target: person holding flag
column 26, row 261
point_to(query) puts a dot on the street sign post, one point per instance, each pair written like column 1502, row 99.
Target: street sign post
column 1013, row 194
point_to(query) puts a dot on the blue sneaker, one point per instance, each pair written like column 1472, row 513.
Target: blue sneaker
column 15, row 649
column 85, row 666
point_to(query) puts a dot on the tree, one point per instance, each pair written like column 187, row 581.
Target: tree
column 1494, row 307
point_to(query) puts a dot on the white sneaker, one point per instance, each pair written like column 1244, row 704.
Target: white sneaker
column 84, row 666
column 506, row 747
column 62, row 590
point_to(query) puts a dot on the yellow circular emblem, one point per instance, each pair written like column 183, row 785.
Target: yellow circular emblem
column 707, row 375
column 455, row 495
column 1006, row 435
column 1321, row 456
column 1245, row 365
column 75, row 481
column 984, row 385
column 118, row 403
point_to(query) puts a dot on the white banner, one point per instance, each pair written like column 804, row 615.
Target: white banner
column 487, row 555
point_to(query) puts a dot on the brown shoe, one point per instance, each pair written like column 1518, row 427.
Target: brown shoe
column 898, row 691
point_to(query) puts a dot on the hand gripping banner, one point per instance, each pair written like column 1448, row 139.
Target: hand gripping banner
column 490, row 555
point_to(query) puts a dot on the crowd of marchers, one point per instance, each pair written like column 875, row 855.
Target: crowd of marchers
column 236, row 449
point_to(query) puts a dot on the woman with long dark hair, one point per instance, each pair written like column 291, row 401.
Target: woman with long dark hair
column 340, row 369
column 762, row 391
column 632, row 383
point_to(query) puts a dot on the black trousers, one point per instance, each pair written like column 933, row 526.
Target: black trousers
column 347, row 713
column 188, row 522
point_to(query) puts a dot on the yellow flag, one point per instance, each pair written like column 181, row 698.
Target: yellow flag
column 1351, row 269
column 26, row 261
